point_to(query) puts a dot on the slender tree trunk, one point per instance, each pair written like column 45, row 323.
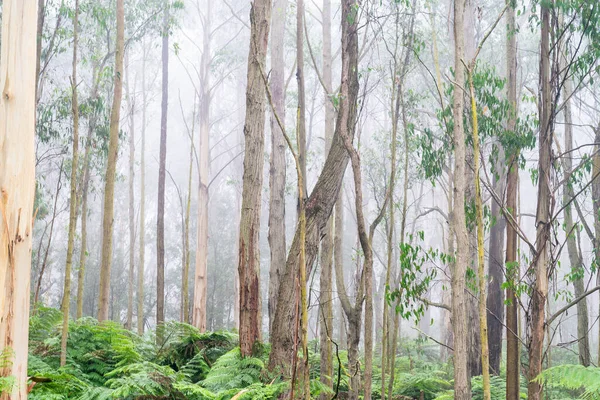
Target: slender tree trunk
column 577, row 268
column 326, row 277
column 322, row 199
column 47, row 251
column 541, row 260
column 131, row 275
column 397, row 113
column 200, row 279
column 301, row 92
column 495, row 297
column 140, row 282
column 185, row 276
column 365, row 243
column 462, row 390
column 160, row 223
column 483, row 328
column 17, row 183
column 66, row 300
column 512, row 266
column 109, row 187
column 277, row 169
column 353, row 313
column 84, row 204
column 249, row 259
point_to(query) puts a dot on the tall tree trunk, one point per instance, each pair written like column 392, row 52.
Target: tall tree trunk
column 140, row 282
column 397, row 112
column 200, row 279
column 277, row 169
column 577, row 268
column 160, row 220
column 326, row 277
column 462, row 390
column 109, row 187
column 249, row 259
column 541, row 260
column 495, row 297
column 131, row 275
column 17, row 183
column 512, row 268
column 322, row 199
column 483, row 328
column 66, row 300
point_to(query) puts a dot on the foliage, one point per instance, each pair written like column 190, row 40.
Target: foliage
column 573, row 377
column 106, row 361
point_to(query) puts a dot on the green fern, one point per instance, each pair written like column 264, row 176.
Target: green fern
column 573, row 377
column 231, row 371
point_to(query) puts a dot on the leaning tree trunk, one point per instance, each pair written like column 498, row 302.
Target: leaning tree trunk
column 66, row 300
column 277, row 161
column 322, row 199
column 512, row 269
column 249, row 259
column 160, row 222
column 109, row 187
column 17, row 184
column 541, row 260
column 326, row 276
column 462, row 390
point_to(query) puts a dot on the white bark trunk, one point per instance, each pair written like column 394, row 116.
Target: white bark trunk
column 17, row 184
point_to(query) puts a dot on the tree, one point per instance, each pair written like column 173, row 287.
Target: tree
column 575, row 257
column 109, row 187
column 319, row 204
column 140, row 283
column 66, row 301
column 17, row 182
column 512, row 182
column 248, row 251
column 462, row 390
column 131, row 275
column 543, row 217
column 200, row 279
column 277, row 161
column 326, row 276
column 160, row 222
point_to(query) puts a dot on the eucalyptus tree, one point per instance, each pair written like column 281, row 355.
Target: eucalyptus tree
column 248, row 251
column 66, row 301
column 17, row 180
column 109, row 188
column 319, row 204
